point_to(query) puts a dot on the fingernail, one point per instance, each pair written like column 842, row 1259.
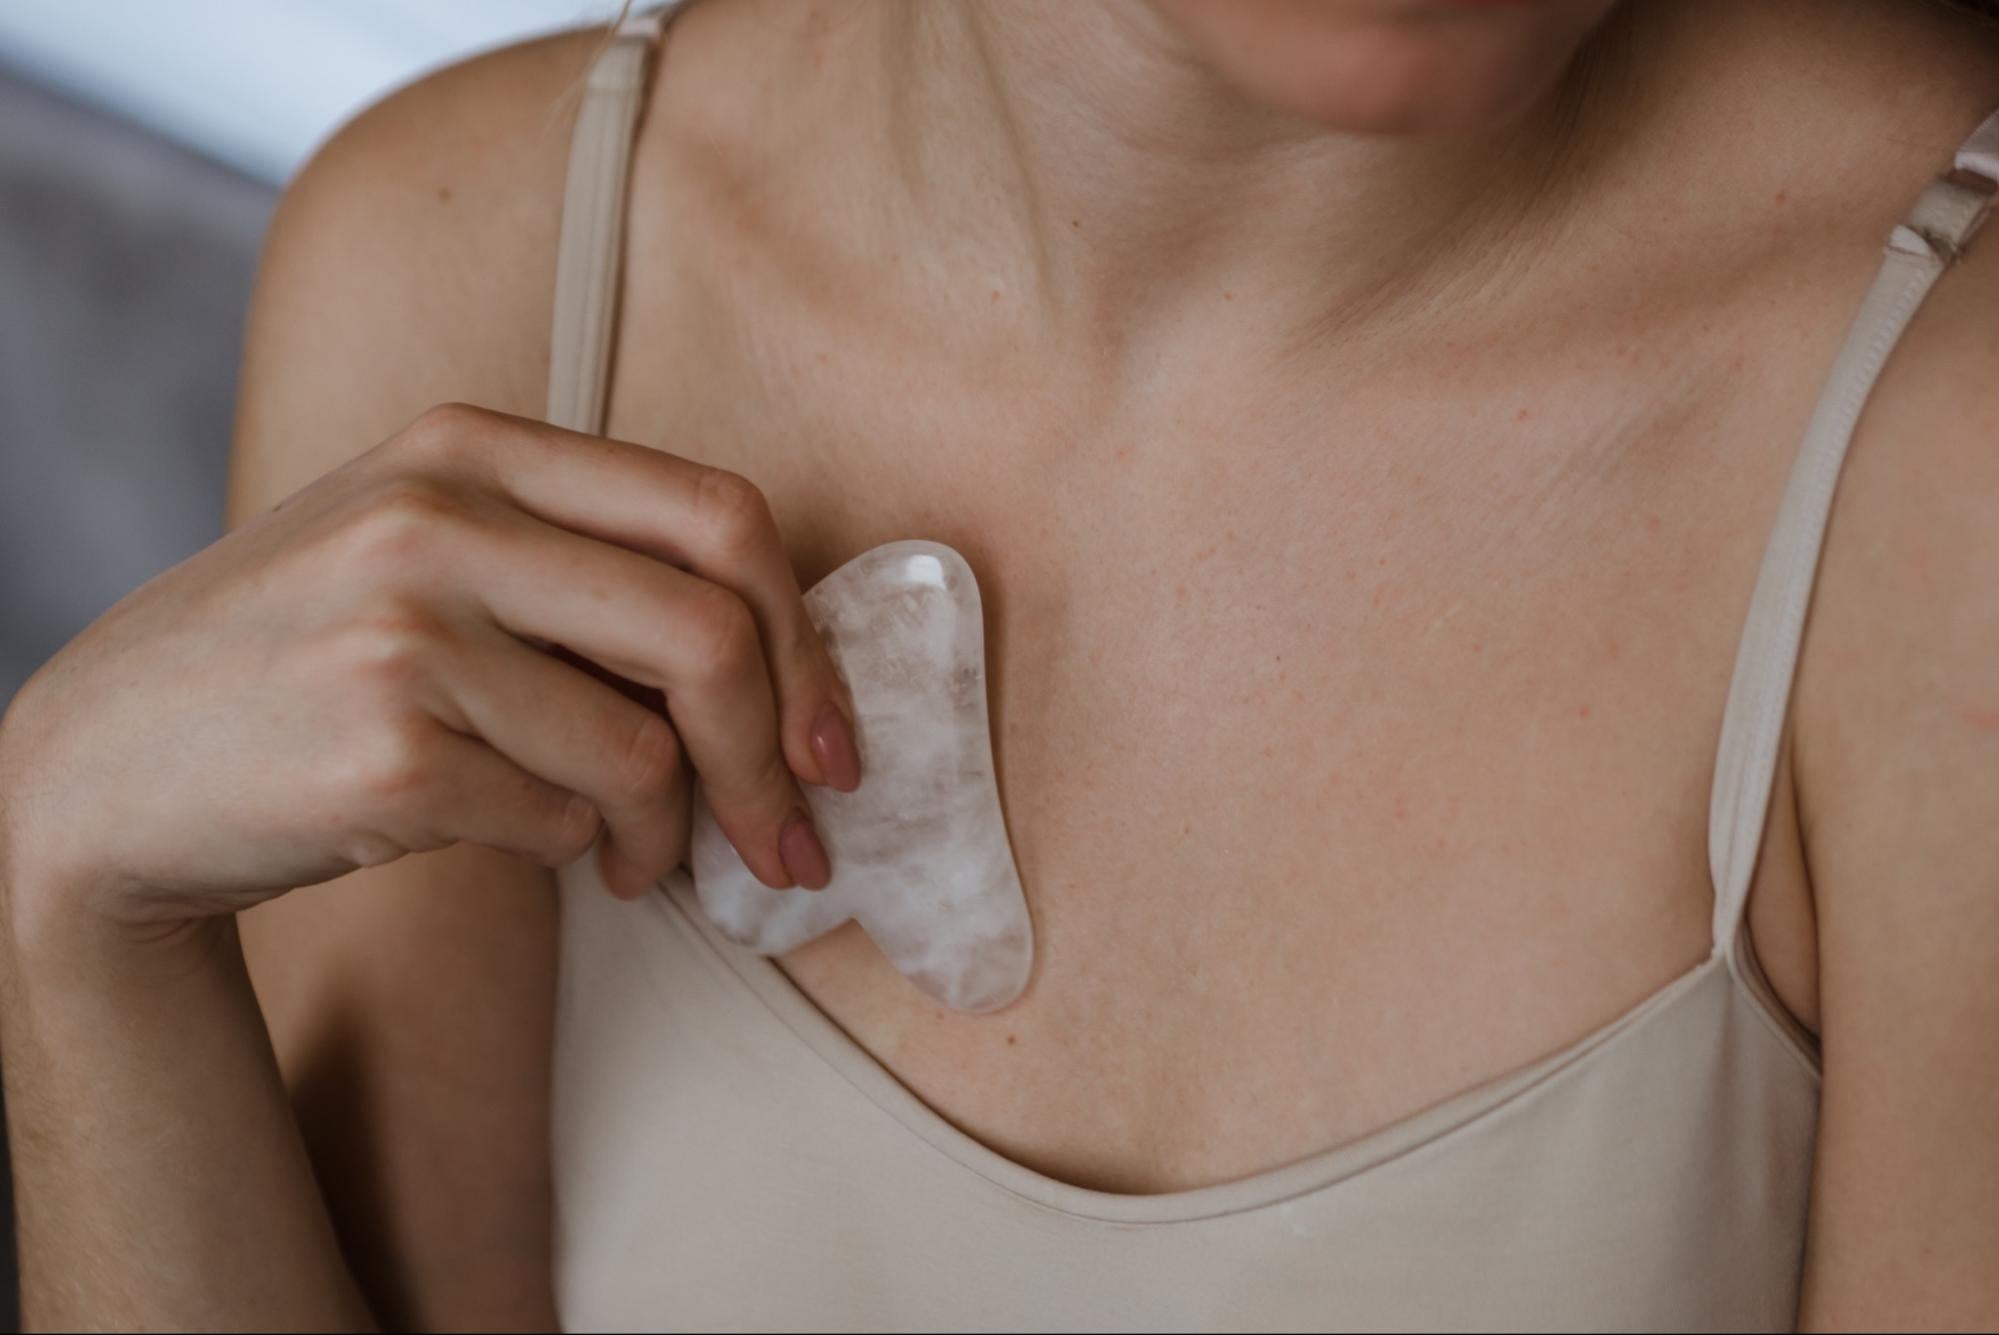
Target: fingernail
column 833, row 743
column 804, row 856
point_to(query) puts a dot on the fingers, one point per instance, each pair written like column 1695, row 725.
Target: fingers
column 449, row 787
column 710, row 522
column 556, row 721
column 663, row 627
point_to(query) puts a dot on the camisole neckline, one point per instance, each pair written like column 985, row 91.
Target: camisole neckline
column 675, row 908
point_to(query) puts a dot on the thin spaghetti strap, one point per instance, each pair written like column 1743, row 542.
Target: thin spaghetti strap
column 591, row 250
column 1949, row 211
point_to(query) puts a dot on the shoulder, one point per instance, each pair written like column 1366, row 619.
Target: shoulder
column 1904, row 630
column 411, row 262
column 1903, row 643
column 1896, row 753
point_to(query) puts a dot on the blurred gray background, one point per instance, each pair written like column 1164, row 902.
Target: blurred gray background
column 141, row 149
column 125, row 264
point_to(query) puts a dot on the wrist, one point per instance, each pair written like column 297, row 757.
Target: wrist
column 71, row 919
column 60, row 935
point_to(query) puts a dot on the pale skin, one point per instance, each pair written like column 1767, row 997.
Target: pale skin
column 1367, row 484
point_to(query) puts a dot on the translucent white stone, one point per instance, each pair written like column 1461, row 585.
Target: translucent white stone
column 919, row 851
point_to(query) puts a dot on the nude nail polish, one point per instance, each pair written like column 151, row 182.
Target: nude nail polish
column 804, row 856
column 833, row 744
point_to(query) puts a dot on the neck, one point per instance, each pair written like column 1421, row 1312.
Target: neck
column 1072, row 183
column 1115, row 180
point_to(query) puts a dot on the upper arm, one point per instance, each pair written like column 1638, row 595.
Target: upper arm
column 1898, row 759
column 411, row 1005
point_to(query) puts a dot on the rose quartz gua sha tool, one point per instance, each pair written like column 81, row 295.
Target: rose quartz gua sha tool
column 919, row 851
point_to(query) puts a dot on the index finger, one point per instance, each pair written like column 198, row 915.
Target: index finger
column 706, row 520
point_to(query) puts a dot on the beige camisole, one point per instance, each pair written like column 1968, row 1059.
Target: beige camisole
column 727, row 1158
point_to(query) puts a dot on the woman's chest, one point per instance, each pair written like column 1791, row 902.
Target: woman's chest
column 1343, row 772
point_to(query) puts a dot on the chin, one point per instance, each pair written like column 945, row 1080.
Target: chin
column 1389, row 66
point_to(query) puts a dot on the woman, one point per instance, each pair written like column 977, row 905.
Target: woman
column 1367, row 420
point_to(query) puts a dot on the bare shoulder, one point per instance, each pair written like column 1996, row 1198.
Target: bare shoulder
column 1897, row 758
column 411, row 262
column 1895, row 719
column 1903, row 627
column 1903, row 643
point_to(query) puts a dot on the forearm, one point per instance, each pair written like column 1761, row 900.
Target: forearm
column 159, row 1177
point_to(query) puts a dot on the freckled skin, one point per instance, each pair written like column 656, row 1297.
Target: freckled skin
column 1667, row 358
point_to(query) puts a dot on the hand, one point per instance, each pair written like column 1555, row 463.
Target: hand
column 452, row 638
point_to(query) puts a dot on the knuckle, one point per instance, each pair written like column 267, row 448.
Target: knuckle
column 393, row 647
column 576, row 830
column 763, row 794
column 649, row 767
column 398, row 768
column 722, row 635
column 735, row 512
column 442, row 430
column 403, row 523
column 773, row 782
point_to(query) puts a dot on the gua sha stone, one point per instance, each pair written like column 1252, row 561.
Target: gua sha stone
column 919, row 851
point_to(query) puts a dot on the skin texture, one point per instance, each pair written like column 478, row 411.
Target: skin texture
column 1384, row 68
column 1897, row 746
column 1169, row 364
